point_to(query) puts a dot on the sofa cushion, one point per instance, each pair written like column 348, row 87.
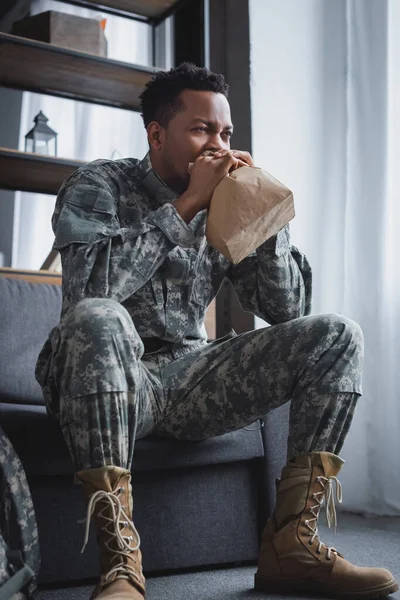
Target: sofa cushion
column 38, row 441
column 28, row 312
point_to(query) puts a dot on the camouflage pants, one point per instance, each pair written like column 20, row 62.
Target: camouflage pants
column 106, row 392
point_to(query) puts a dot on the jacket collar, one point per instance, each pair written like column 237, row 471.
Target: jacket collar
column 154, row 185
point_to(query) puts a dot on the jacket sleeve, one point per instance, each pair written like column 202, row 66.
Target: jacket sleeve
column 99, row 257
column 275, row 281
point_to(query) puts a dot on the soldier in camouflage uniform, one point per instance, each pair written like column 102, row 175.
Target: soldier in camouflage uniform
column 130, row 356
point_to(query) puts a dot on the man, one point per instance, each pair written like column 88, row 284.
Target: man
column 130, row 355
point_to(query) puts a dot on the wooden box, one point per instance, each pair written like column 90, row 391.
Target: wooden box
column 61, row 29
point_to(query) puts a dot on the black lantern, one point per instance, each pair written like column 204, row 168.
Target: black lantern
column 41, row 139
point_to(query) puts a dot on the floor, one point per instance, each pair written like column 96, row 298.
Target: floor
column 364, row 541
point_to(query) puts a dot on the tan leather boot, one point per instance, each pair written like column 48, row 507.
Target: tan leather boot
column 292, row 558
column 108, row 493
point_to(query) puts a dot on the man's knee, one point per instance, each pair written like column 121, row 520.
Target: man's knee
column 341, row 330
column 98, row 315
column 99, row 323
column 347, row 327
column 98, row 309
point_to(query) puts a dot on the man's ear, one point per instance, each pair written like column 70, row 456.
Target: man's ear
column 155, row 135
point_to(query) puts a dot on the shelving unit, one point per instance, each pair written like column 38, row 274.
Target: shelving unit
column 141, row 10
column 48, row 69
column 43, row 68
column 34, row 172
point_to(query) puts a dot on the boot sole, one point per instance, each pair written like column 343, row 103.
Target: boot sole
column 286, row 586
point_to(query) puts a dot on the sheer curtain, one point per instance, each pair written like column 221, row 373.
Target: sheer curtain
column 371, row 274
column 328, row 124
column 85, row 132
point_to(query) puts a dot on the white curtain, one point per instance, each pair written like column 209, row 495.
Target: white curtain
column 326, row 120
column 85, row 132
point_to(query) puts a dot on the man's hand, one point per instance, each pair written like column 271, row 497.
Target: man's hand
column 206, row 173
column 244, row 158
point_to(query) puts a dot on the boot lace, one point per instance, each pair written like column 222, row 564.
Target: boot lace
column 118, row 519
column 330, row 511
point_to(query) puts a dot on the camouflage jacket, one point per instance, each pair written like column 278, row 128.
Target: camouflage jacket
column 120, row 237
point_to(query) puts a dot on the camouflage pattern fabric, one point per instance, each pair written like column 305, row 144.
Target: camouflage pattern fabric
column 120, row 237
column 19, row 541
column 133, row 270
column 107, row 398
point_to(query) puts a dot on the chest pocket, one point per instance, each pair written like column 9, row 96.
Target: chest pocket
column 173, row 275
column 178, row 267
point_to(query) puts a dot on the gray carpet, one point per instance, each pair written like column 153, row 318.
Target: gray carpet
column 364, row 541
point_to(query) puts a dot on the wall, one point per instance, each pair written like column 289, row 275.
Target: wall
column 325, row 97
column 298, row 97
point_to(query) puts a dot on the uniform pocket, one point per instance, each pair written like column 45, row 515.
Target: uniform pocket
column 201, row 291
column 78, row 224
column 177, row 267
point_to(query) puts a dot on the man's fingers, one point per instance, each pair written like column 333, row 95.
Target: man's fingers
column 244, row 157
column 216, row 153
column 237, row 164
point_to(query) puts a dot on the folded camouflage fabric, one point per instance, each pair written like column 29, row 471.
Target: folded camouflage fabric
column 19, row 541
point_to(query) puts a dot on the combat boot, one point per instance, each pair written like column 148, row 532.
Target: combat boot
column 292, row 557
column 108, row 494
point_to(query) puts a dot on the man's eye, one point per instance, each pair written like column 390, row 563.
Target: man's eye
column 200, row 129
column 227, row 134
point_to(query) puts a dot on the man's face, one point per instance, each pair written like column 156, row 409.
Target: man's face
column 204, row 124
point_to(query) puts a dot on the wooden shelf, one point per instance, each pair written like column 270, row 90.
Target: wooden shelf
column 33, row 172
column 48, row 69
column 145, row 8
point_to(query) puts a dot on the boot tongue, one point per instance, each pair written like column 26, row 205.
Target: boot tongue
column 104, row 478
column 292, row 489
column 330, row 463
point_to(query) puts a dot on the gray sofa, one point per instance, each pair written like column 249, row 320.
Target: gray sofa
column 196, row 504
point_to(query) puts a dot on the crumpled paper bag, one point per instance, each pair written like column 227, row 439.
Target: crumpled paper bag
column 247, row 208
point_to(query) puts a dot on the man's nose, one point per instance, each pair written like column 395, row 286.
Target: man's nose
column 215, row 144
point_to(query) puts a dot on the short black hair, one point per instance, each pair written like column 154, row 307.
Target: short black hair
column 160, row 99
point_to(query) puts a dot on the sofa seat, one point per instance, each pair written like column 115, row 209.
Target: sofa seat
column 196, row 504
column 38, row 441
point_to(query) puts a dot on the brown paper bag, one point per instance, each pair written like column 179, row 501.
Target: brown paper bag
column 247, row 208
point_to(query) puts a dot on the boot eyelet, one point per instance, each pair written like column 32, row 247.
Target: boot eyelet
column 328, row 558
column 310, row 543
